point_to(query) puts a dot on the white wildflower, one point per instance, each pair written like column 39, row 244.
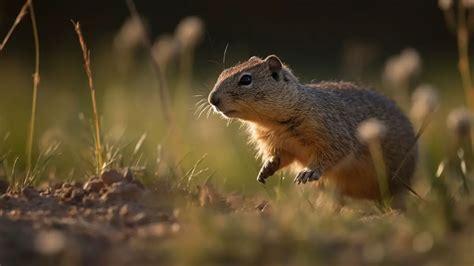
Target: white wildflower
column 165, row 49
column 425, row 100
column 400, row 69
column 459, row 122
column 445, row 4
column 371, row 130
column 189, row 31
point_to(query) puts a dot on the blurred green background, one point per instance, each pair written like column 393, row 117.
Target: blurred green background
column 320, row 40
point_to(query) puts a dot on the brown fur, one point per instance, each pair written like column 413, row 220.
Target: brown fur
column 314, row 126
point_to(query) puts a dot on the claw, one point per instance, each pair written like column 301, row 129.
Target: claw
column 307, row 176
column 268, row 169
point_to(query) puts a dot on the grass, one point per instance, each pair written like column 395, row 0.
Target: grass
column 205, row 172
column 36, row 81
column 87, row 67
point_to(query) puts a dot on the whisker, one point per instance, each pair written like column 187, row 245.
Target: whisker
column 224, row 56
column 202, row 104
column 199, row 102
column 200, row 107
column 208, row 113
column 229, row 121
column 203, row 110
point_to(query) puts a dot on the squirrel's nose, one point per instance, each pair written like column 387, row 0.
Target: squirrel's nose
column 214, row 99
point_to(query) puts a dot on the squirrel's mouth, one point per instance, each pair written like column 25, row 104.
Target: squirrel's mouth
column 229, row 113
column 226, row 113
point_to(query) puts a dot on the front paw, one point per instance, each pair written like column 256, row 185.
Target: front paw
column 307, row 175
column 261, row 178
column 268, row 169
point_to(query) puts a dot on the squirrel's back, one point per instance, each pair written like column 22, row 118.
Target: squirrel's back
column 398, row 144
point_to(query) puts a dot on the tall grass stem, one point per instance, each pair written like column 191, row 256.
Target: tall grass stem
column 36, row 81
column 463, row 64
column 19, row 18
column 87, row 67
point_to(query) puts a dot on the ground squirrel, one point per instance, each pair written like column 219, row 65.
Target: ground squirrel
column 313, row 127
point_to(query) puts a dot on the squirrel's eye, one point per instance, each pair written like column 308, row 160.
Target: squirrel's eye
column 245, row 80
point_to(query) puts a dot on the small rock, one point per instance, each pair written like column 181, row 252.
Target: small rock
column 67, row 194
column 5, row 197
column 128, row 191
column 87, row 201
column 77, row 194
column 3, row 186
column 153, row 230
column 109, row 197
column 139, row 219
column 110, row 177
column 124, row 210
column 103, row 191
column 122, row 190
column 29, row 192
column 112, row 216
column 57, row 185
column 93, row 185
column 76, row 184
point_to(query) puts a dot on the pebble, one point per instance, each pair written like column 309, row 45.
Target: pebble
column 29, row 192
column 110, row 177
column 93, row 185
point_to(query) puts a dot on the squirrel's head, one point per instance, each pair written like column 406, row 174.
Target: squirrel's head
column 254, row 89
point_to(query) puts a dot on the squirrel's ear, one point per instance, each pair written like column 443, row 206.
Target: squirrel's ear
column 274, row 63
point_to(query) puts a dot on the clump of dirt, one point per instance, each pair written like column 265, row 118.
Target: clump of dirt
column 90, row 222
column 3, row 186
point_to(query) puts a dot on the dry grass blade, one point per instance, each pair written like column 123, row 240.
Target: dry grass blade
column 19, row 17
column 191, row 173
column 36, row 81
column 420, row 132
column 87, row 67
column 463, row 52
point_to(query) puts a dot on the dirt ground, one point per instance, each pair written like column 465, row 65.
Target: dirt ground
column 83, row 223
column 115, row 220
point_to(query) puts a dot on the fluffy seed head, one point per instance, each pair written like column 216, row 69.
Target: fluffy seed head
column 189, row 32
column 445, row 4
column 459, row 122
column 130, row 36
column 371, row 130
column 425, row 100
column 400, row 69
column 165, row 49
column 468, row 3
